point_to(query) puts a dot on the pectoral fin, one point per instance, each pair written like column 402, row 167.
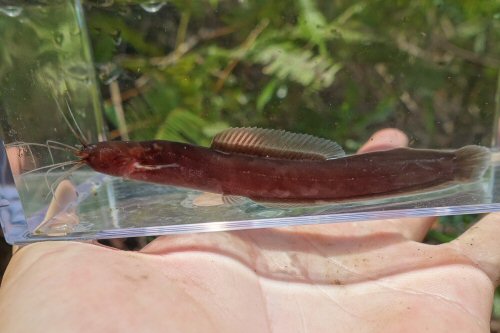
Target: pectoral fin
column 208, row 199
column 61, row 217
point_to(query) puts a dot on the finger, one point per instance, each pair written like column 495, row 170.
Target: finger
column 481, row 244
column 15, row 248
column 411, row 228
column 16, row 158
column 384, row 139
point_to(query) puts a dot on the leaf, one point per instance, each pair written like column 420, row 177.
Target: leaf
column 213, row 3
column 210, row 130
column 312, row 23
column 104, row 47
column 183, row 126
column 110, row 114
column 300, row 65
column 266, row 94
column 337, row 31
column 350, row 12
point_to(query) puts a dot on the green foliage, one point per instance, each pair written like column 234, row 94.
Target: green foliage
column 184, row 126
column 337, row 69
column 450, row 227
column 288, row 62
column 496, row 304
column 312, row 23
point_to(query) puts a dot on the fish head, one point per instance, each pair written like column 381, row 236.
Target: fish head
column 109, row 157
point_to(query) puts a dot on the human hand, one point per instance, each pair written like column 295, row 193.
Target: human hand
column 352, row 277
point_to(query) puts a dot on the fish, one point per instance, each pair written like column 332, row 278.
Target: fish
column 279, row 167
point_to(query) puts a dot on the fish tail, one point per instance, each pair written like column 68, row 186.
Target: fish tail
column 472, row 162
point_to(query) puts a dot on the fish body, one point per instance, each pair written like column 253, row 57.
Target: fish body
column 287, row 175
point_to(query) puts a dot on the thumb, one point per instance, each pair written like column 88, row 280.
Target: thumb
column 481, row 244
column 384, row 139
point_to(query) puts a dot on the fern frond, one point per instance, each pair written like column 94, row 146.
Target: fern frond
column 286, row 61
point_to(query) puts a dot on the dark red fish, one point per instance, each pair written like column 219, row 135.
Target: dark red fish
column 281, row 167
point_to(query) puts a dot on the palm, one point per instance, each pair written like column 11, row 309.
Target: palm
column 347, row 278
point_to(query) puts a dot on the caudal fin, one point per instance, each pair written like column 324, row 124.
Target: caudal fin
column 472, row 162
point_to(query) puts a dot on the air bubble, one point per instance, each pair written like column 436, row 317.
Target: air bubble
column 117, row 37
column 76, row 32
column 282, row 92
column 79, row 72
column 11, row 11
column 58, row 38
column 12, row 132
column 152, row 7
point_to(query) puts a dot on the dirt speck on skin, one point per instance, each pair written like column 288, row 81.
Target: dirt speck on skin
column 337, row 282
column 136, row 278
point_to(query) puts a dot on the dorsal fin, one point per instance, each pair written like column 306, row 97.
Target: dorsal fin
column 276, row 144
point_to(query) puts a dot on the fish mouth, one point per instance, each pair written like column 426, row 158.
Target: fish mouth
column 82, row 154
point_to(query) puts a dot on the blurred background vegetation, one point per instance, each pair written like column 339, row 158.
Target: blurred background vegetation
column 337, row 69
column 183, row 70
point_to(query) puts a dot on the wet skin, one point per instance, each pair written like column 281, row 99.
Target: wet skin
column 352, row 277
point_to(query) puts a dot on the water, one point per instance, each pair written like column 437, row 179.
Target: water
column 185, row 71
column 112, row 207
column 46, row 60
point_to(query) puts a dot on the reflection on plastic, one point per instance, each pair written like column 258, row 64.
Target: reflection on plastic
column 61, row 217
